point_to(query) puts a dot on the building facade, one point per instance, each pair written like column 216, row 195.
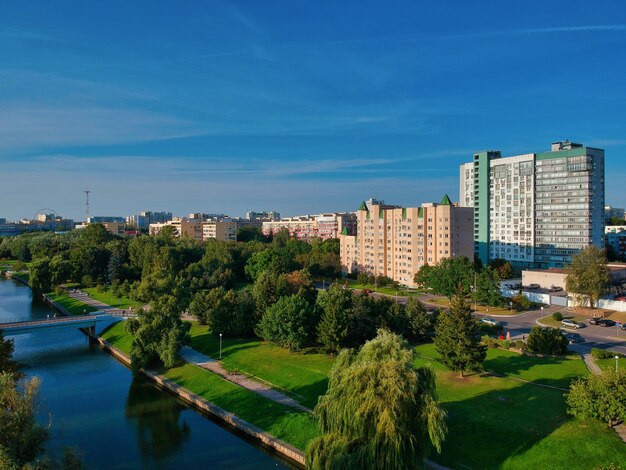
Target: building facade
column 536, row 209
column 615, row 237
column 198, row 229
column 307, row 227
column 396, row 242
column 611, row 212
column 143, row 220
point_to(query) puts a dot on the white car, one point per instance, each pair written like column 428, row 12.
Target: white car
column 567, row 323
column 490, row 321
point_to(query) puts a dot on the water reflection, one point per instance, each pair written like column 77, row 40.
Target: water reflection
column 160, row 430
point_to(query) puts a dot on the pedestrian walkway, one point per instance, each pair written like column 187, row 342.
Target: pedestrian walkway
column 194, row 357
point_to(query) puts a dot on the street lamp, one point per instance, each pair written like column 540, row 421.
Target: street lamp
column 616, row 358
column 511, row 307
column 220, row 346
column 396, row 296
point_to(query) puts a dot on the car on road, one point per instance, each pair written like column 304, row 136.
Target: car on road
column 605, row 322
column 594, row 320
column 567, row 323
column 490, row 321
column 623, row 327
column 573, row 338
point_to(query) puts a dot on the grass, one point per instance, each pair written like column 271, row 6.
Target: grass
column 75, row 307
column 382, row 290
column 502, row 423
column 493, row 422
column 495, row 311
column 610, row 363
column 295, row 427
column 110, row 299
column 302, row 375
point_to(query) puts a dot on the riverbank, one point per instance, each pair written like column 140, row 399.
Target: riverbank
column 204, row 406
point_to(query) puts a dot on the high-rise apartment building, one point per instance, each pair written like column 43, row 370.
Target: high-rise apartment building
column 307, row 227
column 536, row 209
column 145, row 218
column 396, row 242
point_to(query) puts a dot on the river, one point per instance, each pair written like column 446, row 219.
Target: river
column 116, row 420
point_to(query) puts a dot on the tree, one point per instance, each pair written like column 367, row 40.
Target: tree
column 7, row 364
column 379, row 411
column 246, row 234
column 215, row 308
column 267, row 289
column 488, row 288
column 40, row 275
column 599, row 397
column 420, row 323
column 21, row 438
column 457, row 337
column 289, row 323
column 503, row 267
column 547, row 341
column 588, row 275
column 332, row 329
column 158, row 334
column 615, row 221
column 446, row 277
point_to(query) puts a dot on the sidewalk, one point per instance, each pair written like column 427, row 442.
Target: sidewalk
column 194, row 357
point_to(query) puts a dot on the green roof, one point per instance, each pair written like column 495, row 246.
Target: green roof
column 404, row 212
column 362, row 207
column 344, row 231
column 420, row 213
column 445, row 201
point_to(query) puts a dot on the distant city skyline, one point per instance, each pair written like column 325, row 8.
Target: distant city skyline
column 298, row 107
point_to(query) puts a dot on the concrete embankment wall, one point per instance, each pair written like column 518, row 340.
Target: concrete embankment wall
column 199, row 403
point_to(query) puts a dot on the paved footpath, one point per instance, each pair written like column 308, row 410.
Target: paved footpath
column 199, row 359
column 84, row 298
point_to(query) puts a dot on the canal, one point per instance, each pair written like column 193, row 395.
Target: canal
column 117, row 421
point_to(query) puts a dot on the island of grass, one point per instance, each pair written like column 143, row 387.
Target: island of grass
column 73, row 306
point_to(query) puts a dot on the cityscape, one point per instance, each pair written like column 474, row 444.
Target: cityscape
column 322, row 236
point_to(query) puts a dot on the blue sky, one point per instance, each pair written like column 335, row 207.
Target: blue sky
column 296, row 106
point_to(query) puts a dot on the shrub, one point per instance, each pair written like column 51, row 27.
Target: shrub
column 558, row 316
column 547, row 341
column 363, row 279
column 519, row 344
column 521, row 302
column 489, row 341
column 58, row 290
column 604, row 354
column 599, row 397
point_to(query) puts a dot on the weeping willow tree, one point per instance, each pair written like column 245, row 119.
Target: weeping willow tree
column 379, row 411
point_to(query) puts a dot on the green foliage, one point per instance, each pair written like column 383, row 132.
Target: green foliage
column 558, row 316
column 615, row 221
column 503, row 267
column 228, row 312
column 487, row 290
column 547, row 341
column 457, row 337
column 7, row 364
column 415, row 323
column 379, row 412
column 446, row 278
column 247, row 234
column 40, row 276
column 599, row 397
column 605, row 354
column 276, row 261
column 588, row 275
column 522, row 302
column 21, row 438
column 158, row 334
column 289, row 323
column 332, row 330
column 268, row 288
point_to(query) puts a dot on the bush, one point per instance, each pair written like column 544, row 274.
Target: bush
column 599, row 396
column 289, row 323
column 547, row 341
column 58, row 290
column 604, row 354
column 363, row 279
column 521, row 302
column 558, row 316
column 519, row 344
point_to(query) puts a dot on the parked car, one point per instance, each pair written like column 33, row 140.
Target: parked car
column 594, row 320
column 490, row 321
column 533, row 286
column 555, row 289
column 573, row 338
column 605, row 322
column 623, row 327
column 567, row 323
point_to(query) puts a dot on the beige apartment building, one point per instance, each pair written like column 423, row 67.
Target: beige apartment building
column 396, row 242
column 220, row 230
column 307, row 227
column 199, row 230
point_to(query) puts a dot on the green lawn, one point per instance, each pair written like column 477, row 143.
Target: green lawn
column 110, row 299
column 549, row 321
column 493, row 422
column 610, row 363
column 302, row 375
column 403, row 292
column 74, row 306
column 501, row 423
column 297, row 428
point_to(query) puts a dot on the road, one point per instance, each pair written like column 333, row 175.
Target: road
column 521, row 324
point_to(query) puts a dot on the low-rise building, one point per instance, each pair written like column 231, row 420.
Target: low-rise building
column 555, row 277
column 307, row 227
column 197, row 229
column 396, row 242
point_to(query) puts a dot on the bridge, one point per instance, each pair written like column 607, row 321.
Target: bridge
column 89, row 322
